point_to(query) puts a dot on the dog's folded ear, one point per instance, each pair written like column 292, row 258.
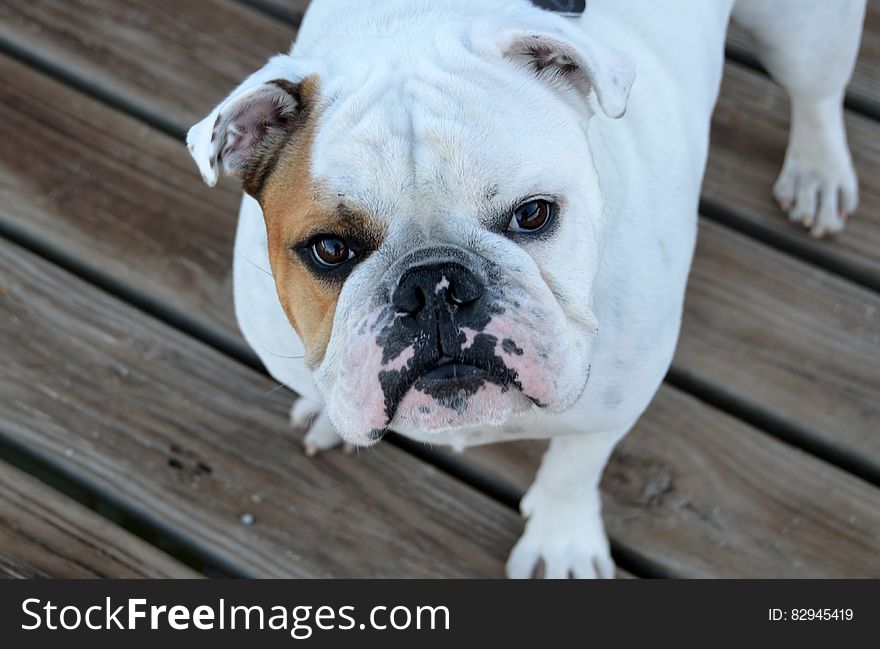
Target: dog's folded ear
column 562, row 55
column 244, row 132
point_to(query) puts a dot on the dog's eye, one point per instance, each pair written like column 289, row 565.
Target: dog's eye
column 331, row 251
column 531, row 217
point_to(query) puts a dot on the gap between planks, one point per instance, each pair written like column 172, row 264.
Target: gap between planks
column 44, row 534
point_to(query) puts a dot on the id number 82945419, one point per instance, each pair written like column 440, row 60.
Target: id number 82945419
column 810, row 615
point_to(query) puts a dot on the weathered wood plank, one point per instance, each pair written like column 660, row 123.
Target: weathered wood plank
column 195, row 442
column 775, row 332
column 173, row 58
column 119, row 196
column 703, row 495
column 127, row 201
column 43, row 533
column 865, row 83
column 864, row 87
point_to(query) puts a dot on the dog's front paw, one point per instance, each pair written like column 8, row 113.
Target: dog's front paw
column 817, row 188
column 566, row 540
column 308, row 416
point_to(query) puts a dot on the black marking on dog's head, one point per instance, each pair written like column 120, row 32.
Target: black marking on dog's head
column 510, row 347
column 446, row 364
column 480, row 365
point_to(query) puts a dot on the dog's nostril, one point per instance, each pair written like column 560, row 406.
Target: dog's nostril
column 436, row 284
column 463, row 292
column 408, row 298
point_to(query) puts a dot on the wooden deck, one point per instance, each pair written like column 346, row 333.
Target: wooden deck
column 157, row 446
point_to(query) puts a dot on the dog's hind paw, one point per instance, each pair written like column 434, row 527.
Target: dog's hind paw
column 818, row 186
column 820, row 201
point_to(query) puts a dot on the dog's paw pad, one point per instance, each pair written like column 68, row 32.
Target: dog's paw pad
column 556, row 550
column 819, row 196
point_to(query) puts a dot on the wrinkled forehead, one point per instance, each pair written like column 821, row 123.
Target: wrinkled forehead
column 456, row 136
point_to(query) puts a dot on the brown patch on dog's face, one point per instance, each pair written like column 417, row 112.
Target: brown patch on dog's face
column 296, row 209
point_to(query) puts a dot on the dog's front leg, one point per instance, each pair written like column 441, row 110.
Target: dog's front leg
column 564, row 530
column 310, row 417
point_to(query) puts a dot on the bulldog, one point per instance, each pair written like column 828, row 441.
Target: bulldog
column 472, row 222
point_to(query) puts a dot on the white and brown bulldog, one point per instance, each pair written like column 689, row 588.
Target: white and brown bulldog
column 469, row 221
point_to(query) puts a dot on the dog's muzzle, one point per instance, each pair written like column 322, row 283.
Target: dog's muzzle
column 437, row 300
column 441, row 306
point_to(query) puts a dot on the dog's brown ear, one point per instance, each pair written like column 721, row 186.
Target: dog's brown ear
column 244, row 133
column 561, row 55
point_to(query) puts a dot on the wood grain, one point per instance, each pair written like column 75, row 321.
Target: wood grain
column 175, row 58
column 787, row 337
column 45, row 534
column 865, row 82
column 122, row 198
column 194, row 442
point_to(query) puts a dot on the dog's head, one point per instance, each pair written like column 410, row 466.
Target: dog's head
column 433, row 215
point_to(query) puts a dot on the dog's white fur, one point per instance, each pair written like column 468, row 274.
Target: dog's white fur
column 413, row 70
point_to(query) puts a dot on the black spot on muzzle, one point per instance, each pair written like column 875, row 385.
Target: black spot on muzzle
column 432, row 303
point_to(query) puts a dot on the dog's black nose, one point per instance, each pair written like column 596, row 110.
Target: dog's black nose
column 443, row 284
